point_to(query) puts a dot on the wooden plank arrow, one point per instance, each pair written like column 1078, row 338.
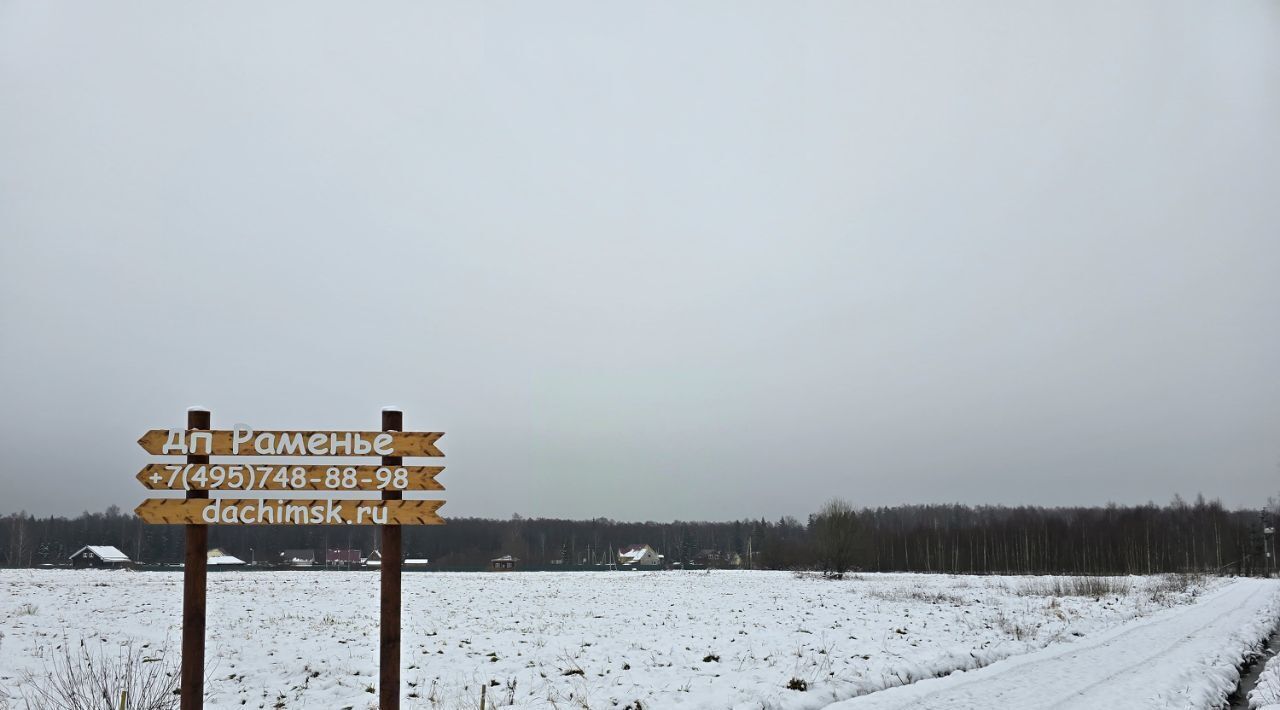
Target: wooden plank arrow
column 266, row 511
column 247, row 442
column 286, row 477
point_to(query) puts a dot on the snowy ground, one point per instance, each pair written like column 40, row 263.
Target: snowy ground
column 1266, row 694
column 577, row 640
column 1180, row 658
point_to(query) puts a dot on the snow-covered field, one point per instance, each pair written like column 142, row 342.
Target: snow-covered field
column 1186, row 657
column 568, row 640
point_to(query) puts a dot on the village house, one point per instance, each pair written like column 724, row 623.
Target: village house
column 218, row 558
column 639, row 556
column 707, row 558
column 506, row 563
column 99, row 556
column 337, row 557
column 375, row 559
column 298, row 558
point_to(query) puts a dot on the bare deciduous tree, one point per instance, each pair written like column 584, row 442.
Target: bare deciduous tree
column 836, row 532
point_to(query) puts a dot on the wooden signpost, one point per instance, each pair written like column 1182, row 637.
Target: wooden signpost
column 197, row 477
column 291, row 511
column 247, row 442
column 288, row 477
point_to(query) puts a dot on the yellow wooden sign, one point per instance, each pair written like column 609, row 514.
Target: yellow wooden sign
column 287, row 477
column 276, row 511
column 247, row 442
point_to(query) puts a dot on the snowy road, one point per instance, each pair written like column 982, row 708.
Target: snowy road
column 1181, row 658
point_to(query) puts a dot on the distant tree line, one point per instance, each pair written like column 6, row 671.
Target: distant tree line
column 1181, row 536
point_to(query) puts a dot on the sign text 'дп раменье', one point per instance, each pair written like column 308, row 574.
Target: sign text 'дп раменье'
column 247, row 442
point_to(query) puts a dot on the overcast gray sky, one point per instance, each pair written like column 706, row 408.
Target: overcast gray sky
column 652, row 260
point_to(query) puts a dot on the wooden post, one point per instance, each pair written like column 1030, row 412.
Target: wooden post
column 193, row 589
column 389, row 658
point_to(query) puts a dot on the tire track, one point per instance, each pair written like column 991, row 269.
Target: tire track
column 1090, row 673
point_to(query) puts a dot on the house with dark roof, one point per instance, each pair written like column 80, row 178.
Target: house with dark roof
column 99, row 556
column 506, row 563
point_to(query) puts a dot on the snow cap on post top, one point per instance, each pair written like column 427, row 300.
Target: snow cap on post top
column 197, row 408
column 392, row 419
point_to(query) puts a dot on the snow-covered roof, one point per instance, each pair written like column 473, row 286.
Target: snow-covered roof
column 633, row 553
column 505, row 558
column 225, row 560
column 298, row 558
column 371, row 562
column 106, row 553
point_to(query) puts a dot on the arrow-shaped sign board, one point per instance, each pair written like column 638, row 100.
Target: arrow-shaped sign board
column 264, row 511
column 247, row 442
column 287, row 477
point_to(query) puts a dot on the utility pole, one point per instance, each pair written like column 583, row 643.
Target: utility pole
column 1268, row 542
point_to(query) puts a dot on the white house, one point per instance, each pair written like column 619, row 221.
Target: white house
column 639, row 555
